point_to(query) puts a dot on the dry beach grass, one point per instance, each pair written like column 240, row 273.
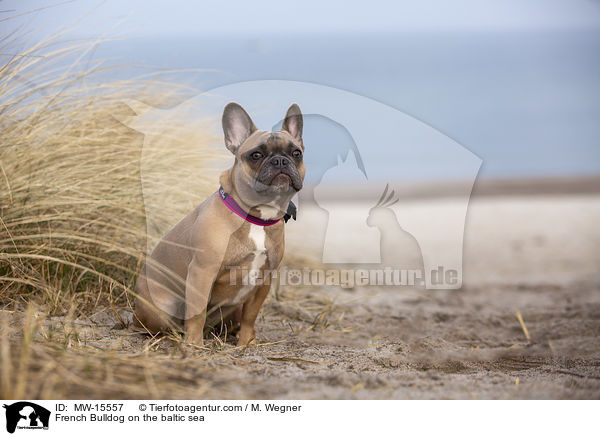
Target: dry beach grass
column 73, row 235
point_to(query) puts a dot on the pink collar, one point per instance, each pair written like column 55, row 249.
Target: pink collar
column 236, row 208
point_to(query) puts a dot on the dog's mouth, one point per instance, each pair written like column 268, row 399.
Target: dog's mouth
column 283, row 180
column 280, row 180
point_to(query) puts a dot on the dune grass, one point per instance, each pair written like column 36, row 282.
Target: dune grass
column 72, row 216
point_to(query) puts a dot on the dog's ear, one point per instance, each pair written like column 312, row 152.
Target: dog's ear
column 292, row 122
column 237, row 126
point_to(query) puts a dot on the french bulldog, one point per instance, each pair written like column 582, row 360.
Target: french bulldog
column 199, row 272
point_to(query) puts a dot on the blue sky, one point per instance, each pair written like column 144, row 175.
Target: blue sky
column 179, row 17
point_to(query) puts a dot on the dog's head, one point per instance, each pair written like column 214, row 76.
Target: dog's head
column 268, row 166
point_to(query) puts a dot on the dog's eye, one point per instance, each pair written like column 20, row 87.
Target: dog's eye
column 296, row 153
column 256, row 155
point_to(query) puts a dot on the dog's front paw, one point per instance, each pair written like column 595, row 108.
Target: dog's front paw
column 247, row 338
column 196, row 342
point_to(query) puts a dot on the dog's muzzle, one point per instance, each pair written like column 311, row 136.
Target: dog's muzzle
column 279, row 171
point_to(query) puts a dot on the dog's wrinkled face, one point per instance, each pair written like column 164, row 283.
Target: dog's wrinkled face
column 268, row 165
column 272, row 161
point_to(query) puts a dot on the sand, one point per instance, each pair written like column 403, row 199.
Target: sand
column 529, row 256
column 532, row 255
column 525, row 324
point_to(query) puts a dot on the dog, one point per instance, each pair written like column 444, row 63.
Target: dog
column 195, row 275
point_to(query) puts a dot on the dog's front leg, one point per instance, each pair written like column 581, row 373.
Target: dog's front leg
column 250, row 312
column 198, row 286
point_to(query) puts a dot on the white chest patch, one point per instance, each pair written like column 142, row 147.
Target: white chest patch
column 257, row 235
column 269, row 212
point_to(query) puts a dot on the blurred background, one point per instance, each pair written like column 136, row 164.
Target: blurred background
column 515, row 82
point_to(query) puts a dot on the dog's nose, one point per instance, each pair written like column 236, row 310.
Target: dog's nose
column 279, row 161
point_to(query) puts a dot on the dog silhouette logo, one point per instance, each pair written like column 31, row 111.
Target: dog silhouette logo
column 26, row 415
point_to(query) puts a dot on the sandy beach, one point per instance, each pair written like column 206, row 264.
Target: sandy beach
column 533, row 255
column 525, row 324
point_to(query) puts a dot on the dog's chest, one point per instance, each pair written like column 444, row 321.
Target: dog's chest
column 257, row 237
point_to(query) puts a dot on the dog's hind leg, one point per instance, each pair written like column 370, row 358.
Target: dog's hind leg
column 148, row 316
